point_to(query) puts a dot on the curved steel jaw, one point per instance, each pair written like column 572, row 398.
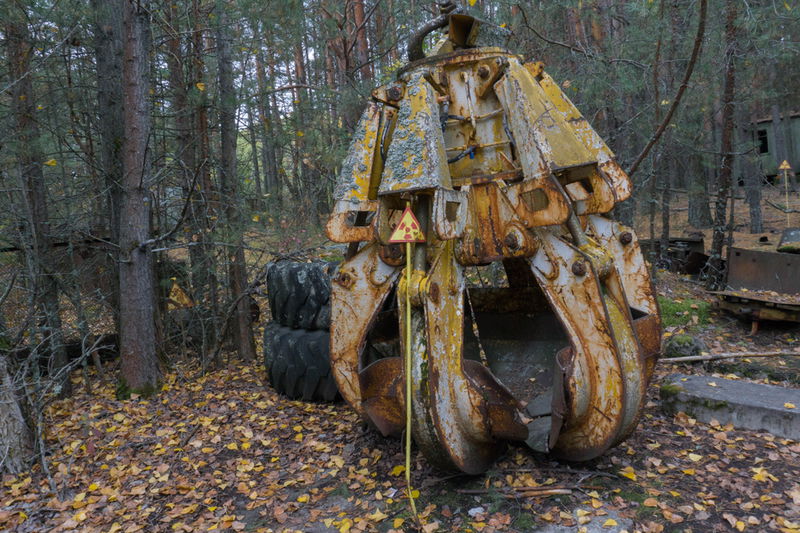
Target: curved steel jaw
column 502, row 167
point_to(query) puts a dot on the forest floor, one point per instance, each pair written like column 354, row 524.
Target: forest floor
column 225, row 452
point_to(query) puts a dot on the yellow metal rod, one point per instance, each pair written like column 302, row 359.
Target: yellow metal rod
column 408, row 381
column 786, row 191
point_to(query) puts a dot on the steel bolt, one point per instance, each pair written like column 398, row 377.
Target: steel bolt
column 512, row 241
column 394, row 93
column 483, row 72
column 579, row 268
column 626, row 238
column 344, row 280
column 433, row 292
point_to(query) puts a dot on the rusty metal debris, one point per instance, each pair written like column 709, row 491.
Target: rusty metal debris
column 499, row 167
column 684, row 255
column 764, row 286
column 764, row 270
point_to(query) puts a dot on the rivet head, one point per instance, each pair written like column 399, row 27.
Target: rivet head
column 433, row 292
column 512, row 241
column 579, row 268
column 394, row 93
column 626, row 238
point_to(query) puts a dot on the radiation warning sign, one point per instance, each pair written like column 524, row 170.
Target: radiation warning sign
column 785, row 166
column 408, row 229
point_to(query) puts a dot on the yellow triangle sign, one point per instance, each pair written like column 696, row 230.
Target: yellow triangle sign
column 178, row 299
column 408, row 230
column 785, row 166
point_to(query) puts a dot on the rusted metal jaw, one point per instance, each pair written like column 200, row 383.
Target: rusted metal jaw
column 499, row 166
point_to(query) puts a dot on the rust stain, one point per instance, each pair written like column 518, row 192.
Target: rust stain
column 511, row 172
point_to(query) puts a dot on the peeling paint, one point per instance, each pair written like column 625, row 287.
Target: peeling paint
column 525, row 172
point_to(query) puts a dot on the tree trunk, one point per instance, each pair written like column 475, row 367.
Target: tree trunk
column 666, row 203
column 203, row 208
column 108, row 52
column 361, row 40
column 243, row 334
column 268, row 157
column 716, row 275
column 251, row 130
column 697, row 188
column 27, row 150
column 753, row 179
column 16, row 438
column 139, row 365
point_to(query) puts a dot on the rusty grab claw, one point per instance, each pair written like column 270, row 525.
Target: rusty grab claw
column 499, row 166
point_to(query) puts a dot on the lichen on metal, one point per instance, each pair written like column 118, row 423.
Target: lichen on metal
column 416, row 158
column 499, row 166
column 354, row 178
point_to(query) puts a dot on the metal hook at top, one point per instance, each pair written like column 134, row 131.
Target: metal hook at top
column 414, row 49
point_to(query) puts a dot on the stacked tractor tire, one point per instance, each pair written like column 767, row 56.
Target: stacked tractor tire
column 296, row 341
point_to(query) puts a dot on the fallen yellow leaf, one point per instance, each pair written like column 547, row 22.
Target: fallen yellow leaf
column 789, row 405
column 378, row 516
column 629, row 473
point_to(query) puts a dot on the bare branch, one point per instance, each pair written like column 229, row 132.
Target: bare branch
column 698, row 44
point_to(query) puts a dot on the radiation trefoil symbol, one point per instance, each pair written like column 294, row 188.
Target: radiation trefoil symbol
column 408, row 230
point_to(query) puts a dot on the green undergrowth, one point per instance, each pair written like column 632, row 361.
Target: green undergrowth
column 681, row 312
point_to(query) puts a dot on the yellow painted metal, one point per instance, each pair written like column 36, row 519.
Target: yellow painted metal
column 579, row 127
column 509, row 167
column 357, row 169
column 408, row 333
column 554, row 139
column 416, row 158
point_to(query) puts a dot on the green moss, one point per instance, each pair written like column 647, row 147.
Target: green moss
column 146, row 391
column 679, row 312
column 525, row 521
column 646, row 513
column 632, row 496
column 711, row 404
column 682, row 340
column 124, row 392
column 342, row 491
column 670, row 390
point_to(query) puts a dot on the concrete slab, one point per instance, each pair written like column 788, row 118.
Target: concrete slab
column 595, row 525
column 744, row 404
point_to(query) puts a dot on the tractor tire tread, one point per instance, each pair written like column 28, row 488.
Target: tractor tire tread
column 297, row 363
column 299, row 294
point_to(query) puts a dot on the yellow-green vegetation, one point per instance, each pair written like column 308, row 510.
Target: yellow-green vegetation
column 683, row 311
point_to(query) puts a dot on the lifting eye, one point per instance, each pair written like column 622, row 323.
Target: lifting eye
column 535, row 200
column 360, row 219
column 451, row 211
